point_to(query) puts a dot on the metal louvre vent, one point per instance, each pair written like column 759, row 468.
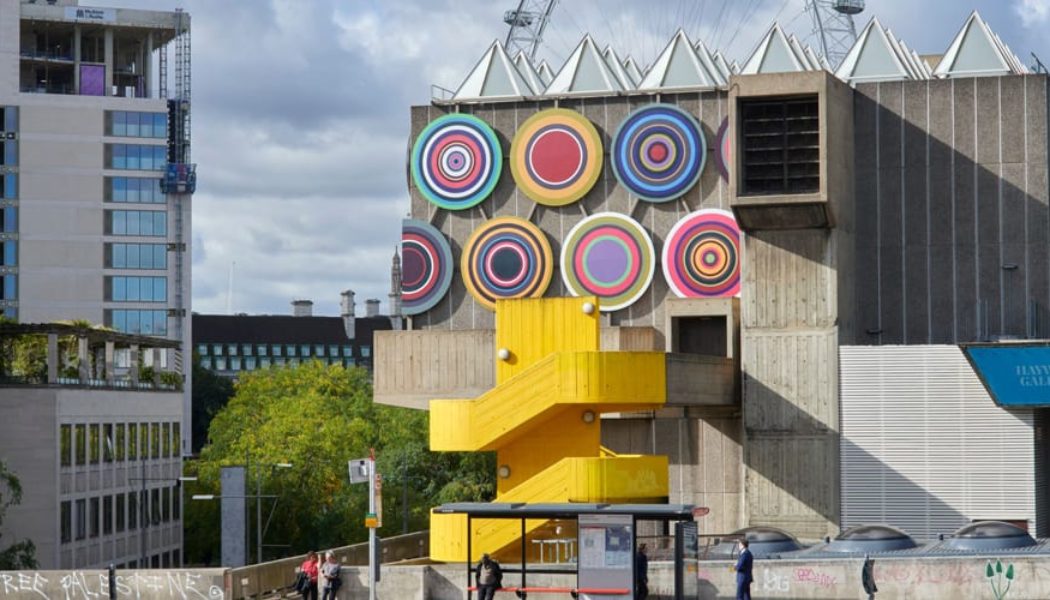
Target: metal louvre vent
column 780, row 142
column 924, row 448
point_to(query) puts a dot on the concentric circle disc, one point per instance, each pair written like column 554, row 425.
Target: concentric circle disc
column 426, row 266
column 456, row 161
column 658, row 152
column 701, row 257
column 608, row 255
column 722, row 149
column 556, row 157
column 506, row 257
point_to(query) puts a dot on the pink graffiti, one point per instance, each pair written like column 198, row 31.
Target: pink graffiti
column 806, row 575
column 952, row 573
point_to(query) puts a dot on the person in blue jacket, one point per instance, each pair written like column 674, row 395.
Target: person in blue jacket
column 743, row 568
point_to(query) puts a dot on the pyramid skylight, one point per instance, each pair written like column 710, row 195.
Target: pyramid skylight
column 976, row 51
column 585, row 73
column 678, row 66
column 495, row 76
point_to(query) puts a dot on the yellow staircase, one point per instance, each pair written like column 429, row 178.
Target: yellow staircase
column 542, row 419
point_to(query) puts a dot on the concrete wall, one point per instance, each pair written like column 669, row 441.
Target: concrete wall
column 952, row 219
column 180, row 584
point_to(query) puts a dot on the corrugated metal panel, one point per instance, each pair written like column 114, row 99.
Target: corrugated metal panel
column 1042, row 465
column 924, row 448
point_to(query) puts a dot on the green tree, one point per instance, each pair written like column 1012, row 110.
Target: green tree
column 211, row 392
column 22, row 554
column 319, row 417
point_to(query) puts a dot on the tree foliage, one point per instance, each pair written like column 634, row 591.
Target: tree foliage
column 21, row 554
column 319, row 417
column 211, row 392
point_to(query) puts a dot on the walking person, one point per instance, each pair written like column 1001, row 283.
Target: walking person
column 867, row 577
column 308, row 573
column 489, row 577
column 331, row 572
column 641, row 573
column 744, row 566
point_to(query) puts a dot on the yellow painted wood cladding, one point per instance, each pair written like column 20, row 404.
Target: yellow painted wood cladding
column 543, row 419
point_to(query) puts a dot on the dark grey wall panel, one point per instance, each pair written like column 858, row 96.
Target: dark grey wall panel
column 963, row 231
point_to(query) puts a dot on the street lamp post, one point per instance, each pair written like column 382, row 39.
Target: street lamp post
column 143, row 515
column 258, row 497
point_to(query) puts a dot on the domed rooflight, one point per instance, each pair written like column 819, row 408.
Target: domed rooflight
column 763, row 541
column 989, row 535
column 869, row 539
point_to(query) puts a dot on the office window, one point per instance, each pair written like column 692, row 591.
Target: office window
column 231, row 349
column 276, row 349
column 9, row 153
column 142, row 190
column 261, row 350
column 366, row 351
column 9, row 253
column 206, row 363
column 107, row 515
column 165, row 502
column 155, row 444
column 136, row 256
column 81, row 509
column 120, row 442
column 202, row 349
column 176, row 503
column 280, row 361
column 144, row 440
column 66, row 511
column 176, row 439
column 216, row 349
column 146, row 322
column 136, row 124
column 293, row 362
column 235, row 363
column 319, row 350
column 220, row 363
column 9, row 118
column 120, row 288
column 133, row 441
column 107, row 442
column 165, row 438
column 9, row 186
column 154, row 503
column 146, row 223
column 249, row 363
column 121, row 513
column 133, row 511
column 333, row 350
column 246, row 349
column 348, row 350
column 9, row 291
column 93, row 515
column 136, row 157
column 65, row 446
column 264, row 363
column 93, row 443
column 289, row 349
column 304, row 350
column 81, row 444
column 9, row 219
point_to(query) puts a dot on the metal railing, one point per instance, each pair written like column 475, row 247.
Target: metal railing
column 270, row 579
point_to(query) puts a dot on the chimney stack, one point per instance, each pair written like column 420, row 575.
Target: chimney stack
column 347, row 310
column 372, row 307
column 302, row 308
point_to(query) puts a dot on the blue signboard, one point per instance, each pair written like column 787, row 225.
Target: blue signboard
column 1015, row 375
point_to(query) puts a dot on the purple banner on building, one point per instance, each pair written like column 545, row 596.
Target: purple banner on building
column 92, row 80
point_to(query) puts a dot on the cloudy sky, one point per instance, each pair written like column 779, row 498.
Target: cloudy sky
column 300, row 114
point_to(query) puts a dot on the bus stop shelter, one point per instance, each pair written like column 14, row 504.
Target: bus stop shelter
column 600, row 571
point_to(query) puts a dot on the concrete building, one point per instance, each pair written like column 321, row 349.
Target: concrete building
column 831, row 243
column 95, row 187
column 233, row 344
